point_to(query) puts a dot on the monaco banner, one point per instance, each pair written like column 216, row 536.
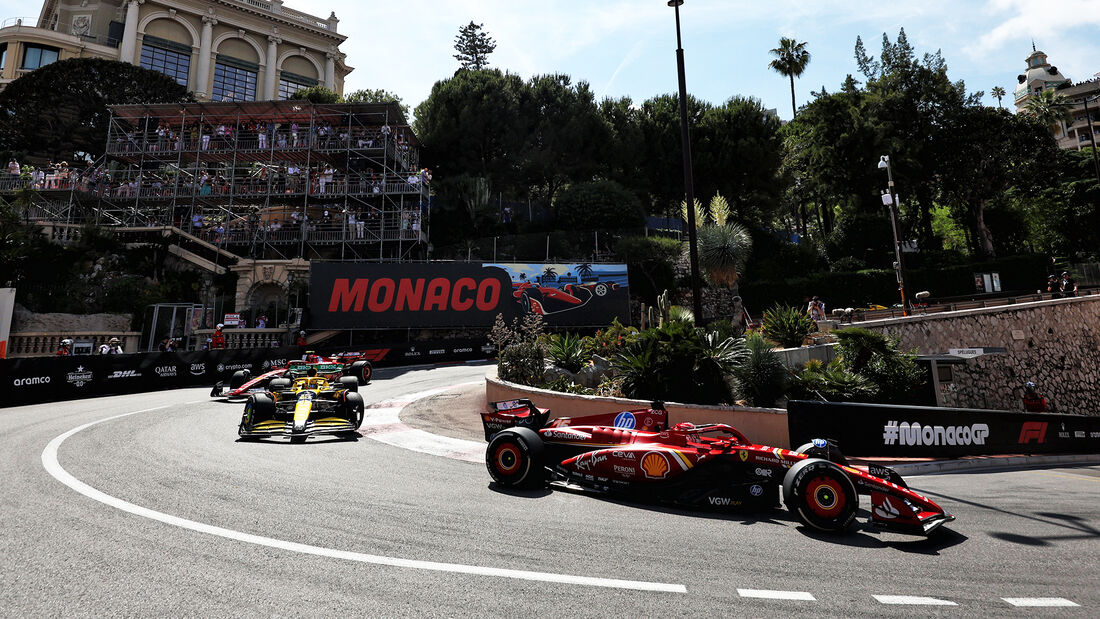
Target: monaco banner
column 347, row 295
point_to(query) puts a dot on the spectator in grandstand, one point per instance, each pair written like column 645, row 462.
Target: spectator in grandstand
column 14, row 169
column 66, row 348
column 165, row 345
column 301, row 341
column 1068, row 286
column 261, row 322
column 217, row 340
column 112, row 347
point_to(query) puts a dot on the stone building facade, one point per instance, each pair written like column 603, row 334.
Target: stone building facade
column 222, row 50
column 1083, row 127
column 1055, row 344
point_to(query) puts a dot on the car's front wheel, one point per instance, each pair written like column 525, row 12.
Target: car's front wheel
column 821, row 494
column 353, row 408
column 514, row 458
column 260, row 406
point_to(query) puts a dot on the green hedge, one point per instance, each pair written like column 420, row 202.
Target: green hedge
column 1023, row 274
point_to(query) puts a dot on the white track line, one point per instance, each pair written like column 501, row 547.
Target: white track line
column 914, row 600
column 51, row 464
column 382, row 423
column 776, row 595
column 1040, row 602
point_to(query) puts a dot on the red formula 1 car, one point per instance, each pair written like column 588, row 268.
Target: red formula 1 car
column 635, row 454
column 242, row 384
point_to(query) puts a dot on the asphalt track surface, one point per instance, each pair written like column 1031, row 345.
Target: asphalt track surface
column 162, row 512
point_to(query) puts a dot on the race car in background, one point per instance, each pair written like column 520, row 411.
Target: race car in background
column 242, row 383
column 544, row 300
column 635, row 455
column 302, row 407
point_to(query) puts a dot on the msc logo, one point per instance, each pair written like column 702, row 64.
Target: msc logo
column 1033, row 430
column 655, row 465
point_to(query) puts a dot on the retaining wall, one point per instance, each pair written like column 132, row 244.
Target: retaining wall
column 765, row 426
column 1054, row 343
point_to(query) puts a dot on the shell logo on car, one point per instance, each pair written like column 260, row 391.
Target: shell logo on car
column 655, row 465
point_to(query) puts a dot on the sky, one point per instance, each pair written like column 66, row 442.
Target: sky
column 627, row 47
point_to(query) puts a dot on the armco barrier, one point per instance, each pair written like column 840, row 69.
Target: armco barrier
column 765, row 426
column 33, row 380
column 921, row 431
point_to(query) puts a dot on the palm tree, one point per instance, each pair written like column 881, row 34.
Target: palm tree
column 1049, row 107
column 549, row 274
column 791, row 59
column 997, row 93
column 723, row 251
column 584, row 271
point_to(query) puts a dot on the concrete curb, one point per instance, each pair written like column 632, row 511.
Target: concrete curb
column 992, row 462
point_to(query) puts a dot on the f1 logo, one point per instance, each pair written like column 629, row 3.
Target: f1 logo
column 1033, row 430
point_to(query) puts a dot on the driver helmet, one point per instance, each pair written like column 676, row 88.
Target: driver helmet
column 221, row 326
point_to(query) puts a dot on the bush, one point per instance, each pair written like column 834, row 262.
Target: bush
column 676, row 362
column 762, row 378
column 787, row 326
column 893, row 375
column 522, row 364
column 567, row 351
column 830, row 382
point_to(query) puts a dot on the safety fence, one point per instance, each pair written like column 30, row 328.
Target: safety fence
column 50, row 379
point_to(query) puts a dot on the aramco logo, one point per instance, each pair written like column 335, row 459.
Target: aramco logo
column 655, row 465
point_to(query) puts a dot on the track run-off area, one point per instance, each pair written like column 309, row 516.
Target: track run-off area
column 147, row 504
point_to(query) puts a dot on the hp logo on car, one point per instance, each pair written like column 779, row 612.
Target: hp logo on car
column 625, row 420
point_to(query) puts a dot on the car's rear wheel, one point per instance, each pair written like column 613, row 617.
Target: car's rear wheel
column 600, row 289
column 278, row 384
column 363, row 370
column 350, row 383
column 821, row 494
column 514, row 458
column 239, row 378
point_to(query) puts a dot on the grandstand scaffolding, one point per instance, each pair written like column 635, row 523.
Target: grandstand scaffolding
column 261, row 180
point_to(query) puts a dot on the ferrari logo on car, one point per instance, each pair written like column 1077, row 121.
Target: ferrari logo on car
column 655, row 465
column 744, row 455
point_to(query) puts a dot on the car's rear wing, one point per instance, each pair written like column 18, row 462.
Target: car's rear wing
column 511, row 413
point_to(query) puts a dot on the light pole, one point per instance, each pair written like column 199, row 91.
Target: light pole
column 891, row 200
column 689, row 190
column 1092, row 137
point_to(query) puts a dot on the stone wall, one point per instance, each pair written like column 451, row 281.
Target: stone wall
column 1055, row 344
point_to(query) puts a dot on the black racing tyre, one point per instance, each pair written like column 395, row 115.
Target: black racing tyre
column 278, row 384
column 362, row 370
column 259, row 406
column 515, row 457
column 350, row 383
column 821, row 494
column 524, row 303
column 353, row 407
column 239, row 378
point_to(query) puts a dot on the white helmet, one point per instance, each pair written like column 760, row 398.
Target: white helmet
column 221, row 326
column 66, row 342
column 301, row 333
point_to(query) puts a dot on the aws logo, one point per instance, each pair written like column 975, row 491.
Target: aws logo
column 655, row 465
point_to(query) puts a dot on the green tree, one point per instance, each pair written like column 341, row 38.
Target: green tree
column 473, row 47
column 597, row 205
column 650, row 260
column 997, row 93
column 790, row 60
column 376, row 95
column 1049, row 107
column 316, row 94
column 60, row 110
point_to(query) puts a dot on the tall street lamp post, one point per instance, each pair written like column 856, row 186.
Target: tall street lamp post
column 689, row 190
column 1092, row 136
column 891, row 200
